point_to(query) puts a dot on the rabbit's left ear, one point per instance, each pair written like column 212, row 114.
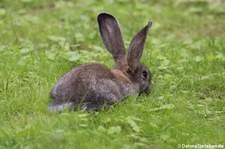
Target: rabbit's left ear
column 111, row 36
column 136, row 47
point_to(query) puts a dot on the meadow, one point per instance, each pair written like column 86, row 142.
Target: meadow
column 185, row 50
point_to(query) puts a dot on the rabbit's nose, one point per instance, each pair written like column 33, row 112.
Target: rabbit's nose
column 147, row 90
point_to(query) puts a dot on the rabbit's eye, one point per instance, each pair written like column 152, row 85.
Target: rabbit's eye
column 144, row 73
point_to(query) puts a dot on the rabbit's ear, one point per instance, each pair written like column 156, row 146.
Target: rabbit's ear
column 111, row 36
column 136, row 46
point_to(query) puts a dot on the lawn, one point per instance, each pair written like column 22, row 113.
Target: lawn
column 185, row 50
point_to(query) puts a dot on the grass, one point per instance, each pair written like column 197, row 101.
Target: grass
column 40, row 41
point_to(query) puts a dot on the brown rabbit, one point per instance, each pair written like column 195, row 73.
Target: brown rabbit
column 93, row 85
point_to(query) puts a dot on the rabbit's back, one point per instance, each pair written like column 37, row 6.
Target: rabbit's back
column 92, row 84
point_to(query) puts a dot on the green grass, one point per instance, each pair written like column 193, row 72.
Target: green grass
column 185, row 50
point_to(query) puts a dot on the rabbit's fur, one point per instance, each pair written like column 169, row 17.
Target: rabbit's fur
column 93, row 85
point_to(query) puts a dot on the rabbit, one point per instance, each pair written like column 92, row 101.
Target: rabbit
column 93, row 85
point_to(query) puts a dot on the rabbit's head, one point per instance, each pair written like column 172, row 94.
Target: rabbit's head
column 129, row 63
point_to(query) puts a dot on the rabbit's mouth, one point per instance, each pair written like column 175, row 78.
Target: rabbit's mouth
column 145, row 90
